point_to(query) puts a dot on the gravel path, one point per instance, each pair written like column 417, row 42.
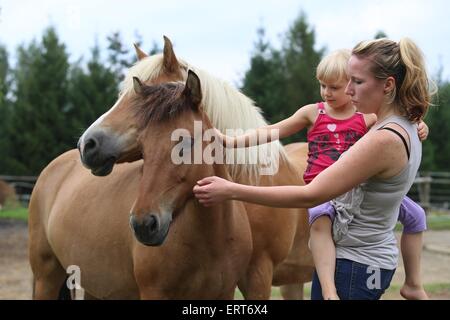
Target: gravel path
column 16, row 278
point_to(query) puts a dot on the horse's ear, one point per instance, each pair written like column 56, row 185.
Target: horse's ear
column 137, row 85
column 139, row 53
column 193, row 90
column 170, row 61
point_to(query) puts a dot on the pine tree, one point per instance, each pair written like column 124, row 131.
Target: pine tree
column 5, row 106
column 301, row 60
column 91, row 92
column 118, row 55
column 264, row 81
column 282, row 81
column 438, row 118
column 38, row 131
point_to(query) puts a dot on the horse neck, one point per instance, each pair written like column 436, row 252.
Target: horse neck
column 286, row 175
column 225, row 209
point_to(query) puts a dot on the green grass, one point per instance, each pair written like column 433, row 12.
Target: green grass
column 17, row 213
column 434, row 222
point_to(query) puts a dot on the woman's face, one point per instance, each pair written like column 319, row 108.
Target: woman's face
column 366, row 91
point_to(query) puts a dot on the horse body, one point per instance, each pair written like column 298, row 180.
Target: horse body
column 67, row 229
column 85, row 224
column 57, row 228
column 298, row 266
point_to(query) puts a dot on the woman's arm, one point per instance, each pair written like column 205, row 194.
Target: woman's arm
column 376, row 154
column 301, row 119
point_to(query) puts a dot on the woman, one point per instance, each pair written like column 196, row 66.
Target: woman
column 369, row 181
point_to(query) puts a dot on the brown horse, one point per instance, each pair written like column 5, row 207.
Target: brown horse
column 280, row 254
column 79, row 219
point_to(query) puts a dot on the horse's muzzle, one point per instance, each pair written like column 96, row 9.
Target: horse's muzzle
column 98, row 154
column 150, row 230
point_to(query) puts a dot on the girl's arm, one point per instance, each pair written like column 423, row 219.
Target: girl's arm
column 285, row 128
column 422, row 130
column 376, row 154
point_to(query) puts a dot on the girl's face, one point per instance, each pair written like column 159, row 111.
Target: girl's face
column 334, row 93
column 367, row 92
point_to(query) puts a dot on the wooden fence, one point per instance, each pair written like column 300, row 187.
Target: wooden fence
column 431, row 189
column 24, row 186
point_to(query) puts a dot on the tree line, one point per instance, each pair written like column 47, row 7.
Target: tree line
column 46, row 102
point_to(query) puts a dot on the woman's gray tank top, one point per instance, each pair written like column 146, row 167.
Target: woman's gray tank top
column 363, row 229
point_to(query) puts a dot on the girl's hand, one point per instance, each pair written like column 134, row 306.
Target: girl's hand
column 213, row 190
column 422, row 131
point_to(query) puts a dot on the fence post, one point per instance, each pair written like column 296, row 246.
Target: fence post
column 424, row 187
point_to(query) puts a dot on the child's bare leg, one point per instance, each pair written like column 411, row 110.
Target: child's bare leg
column 411, row 246
column 324, row 255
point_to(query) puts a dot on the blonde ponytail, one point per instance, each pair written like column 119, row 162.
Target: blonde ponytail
column 414, row 92
column 404, row 62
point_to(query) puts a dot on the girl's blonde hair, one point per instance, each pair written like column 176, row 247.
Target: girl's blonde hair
column 334, row 66
column 404, row 62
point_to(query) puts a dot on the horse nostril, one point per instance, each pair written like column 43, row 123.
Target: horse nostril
column 90, row 145
column 151, row 222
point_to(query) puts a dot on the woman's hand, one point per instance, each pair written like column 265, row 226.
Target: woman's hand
column 213, row 190
column 422, row 131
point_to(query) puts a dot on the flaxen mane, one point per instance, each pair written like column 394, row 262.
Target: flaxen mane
column 226, row 107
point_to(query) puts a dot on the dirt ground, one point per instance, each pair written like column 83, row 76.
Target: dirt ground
column 16, row 278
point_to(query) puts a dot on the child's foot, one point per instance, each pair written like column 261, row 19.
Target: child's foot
column 413, row 292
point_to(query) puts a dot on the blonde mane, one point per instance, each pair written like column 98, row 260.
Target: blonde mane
column 227, row 108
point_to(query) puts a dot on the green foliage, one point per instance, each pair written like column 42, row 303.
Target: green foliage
column 281, row 81
column 118, row 55
column 380, row 34
column 264, row 81
column 50, row 102
column 438, row 119
column 37, row 124
column 46, row 102
column 91, row 93
column 5, row 107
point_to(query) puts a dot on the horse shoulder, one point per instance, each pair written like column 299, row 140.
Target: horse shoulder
column 50, row 180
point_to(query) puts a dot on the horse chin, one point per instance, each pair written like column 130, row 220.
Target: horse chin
column 157, row 240
column 105, row 169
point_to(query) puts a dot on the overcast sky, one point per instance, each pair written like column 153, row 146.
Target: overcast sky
column 218, row 36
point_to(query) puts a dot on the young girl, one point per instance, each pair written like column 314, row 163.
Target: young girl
column 333, row 127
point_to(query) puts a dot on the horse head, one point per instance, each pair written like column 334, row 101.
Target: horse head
column 112, row 138
column 165, row 115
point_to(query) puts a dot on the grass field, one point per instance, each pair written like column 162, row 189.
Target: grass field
column 18, row 213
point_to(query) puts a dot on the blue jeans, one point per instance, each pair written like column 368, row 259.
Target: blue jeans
column 355, row 281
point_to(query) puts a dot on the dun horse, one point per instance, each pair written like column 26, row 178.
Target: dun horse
column 280, row 254
column 78, row 219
